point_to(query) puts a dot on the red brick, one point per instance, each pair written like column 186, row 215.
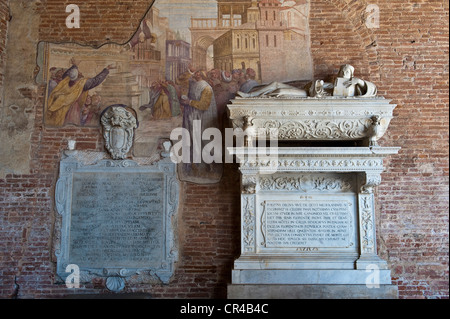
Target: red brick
column 410, row 66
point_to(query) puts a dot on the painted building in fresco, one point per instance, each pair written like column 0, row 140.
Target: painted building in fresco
column 268, row 39
column 269, row 36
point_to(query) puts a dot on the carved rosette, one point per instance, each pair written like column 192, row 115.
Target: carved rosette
column 118, row 130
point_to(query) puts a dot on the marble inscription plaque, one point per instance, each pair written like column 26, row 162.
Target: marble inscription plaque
column 315, row 224
column 117, row 219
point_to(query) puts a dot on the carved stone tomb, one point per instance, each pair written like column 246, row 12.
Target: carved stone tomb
column 308, row 225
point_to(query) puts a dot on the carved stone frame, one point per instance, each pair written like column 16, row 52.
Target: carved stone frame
column 116, row 276
column 365, row 164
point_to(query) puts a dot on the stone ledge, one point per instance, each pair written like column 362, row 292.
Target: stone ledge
column 311, row 292
column 308, row 277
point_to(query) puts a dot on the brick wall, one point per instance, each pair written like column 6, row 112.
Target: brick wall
column 414, row 198
column 4, row 17
column 100, row 21
column 407, row 57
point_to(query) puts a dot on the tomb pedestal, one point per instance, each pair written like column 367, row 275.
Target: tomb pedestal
column 308, row 225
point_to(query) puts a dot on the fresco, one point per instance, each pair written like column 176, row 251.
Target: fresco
column 186, row 62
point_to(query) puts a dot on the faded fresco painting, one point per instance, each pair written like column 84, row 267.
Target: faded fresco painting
column 185, row 63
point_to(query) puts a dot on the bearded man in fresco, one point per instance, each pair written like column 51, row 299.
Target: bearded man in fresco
column 199, row 106
column 70, row 93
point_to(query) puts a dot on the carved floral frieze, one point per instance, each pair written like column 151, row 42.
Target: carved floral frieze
column 317, row 130
column 314, row 119
column 306, row 183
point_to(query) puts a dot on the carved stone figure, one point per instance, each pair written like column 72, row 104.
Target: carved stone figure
column 118, row 130
column 345, row 85
column 274, row 89
column 375, row 130
column 318, row 89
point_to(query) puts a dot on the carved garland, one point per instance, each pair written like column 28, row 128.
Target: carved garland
column 316, row 129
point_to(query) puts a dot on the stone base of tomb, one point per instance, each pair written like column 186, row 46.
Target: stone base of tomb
column 263, row 291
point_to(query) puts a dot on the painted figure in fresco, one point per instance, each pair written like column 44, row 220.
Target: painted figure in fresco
column 56, row 76
column 219, row 81
column 183, row 80
column 224, row 93
column 74, row 114
column 90, row 114
column 70, row 94
column 199, row 106
column 158, row 102
column 163, row 101
column 250, row 83
column 214, row 78
column 238, row 78
column 174, row 98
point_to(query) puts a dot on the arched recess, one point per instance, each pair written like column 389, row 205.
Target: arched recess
column 200, row 51
column 353, row 15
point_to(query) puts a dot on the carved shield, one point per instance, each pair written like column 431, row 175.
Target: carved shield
column 118, row 130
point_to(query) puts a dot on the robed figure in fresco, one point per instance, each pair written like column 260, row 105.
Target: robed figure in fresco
column 200, row 114
column 163, row 100
column 71, row 93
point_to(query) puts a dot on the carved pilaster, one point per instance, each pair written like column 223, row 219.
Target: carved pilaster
column 367, row 224
column 368, row 238
column 248, row 224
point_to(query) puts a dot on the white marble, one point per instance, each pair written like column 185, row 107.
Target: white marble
column 313, row 119
column 308, row 213
column 118, row 130
column 308, row 277
column 117, row 219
